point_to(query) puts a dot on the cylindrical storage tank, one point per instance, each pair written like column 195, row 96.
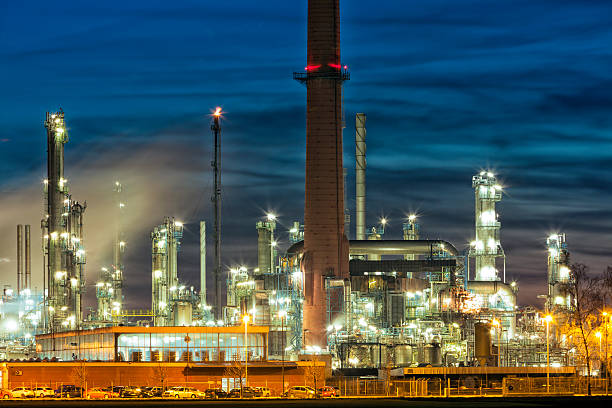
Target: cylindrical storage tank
column 183, row 314
column 433, row 354
column 403, row 355
column 482, row 343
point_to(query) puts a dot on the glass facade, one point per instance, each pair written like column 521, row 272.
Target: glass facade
column 198, row 347
column 169, row 344
column 91, row 346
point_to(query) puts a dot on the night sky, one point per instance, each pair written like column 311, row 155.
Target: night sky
column 450, row 87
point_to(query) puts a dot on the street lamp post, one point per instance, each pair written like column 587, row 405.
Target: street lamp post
column 605, row 315
column 283, row 314
column 246, row 319
column 548, row 319
column 598, row 335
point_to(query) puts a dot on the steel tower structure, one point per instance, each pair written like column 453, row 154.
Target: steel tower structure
column 486, row 248
column 216, row 198
column 325, row 245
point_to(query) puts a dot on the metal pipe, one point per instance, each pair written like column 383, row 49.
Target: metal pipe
column 360, row 169
column 19, row 257
column 28, row 259
column 389, row 247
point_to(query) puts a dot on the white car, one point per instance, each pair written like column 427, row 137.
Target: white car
column 42, row 392
column 182, row 392
column 22, row 392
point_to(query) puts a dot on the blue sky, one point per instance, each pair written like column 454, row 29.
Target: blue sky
column 449, row 87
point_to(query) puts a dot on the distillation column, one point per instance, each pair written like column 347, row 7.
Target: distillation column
column 558, row 271
column 486, row 248
column 64, row 255
column 325, row 245
column 166, row 242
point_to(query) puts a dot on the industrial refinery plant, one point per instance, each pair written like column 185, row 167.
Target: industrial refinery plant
column 399, row 303
column 338, row 293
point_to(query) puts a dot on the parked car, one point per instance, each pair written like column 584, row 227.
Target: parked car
column 98, row 393
column 6, row 394
column 42, row 392
column 328, row 392
column 264, row 391
column 301, row 392
column 113, row 392
column 151, row 392
column 183, row 392
column 22, row 392
column 247, row 392
column 130, row 392
column 215, row 393
column 70, row 391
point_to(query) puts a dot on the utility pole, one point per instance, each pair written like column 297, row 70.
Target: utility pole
column 216, row 164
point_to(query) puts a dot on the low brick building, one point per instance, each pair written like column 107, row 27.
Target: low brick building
column 199, row 375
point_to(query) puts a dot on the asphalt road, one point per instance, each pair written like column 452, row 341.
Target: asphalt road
column 574, row 402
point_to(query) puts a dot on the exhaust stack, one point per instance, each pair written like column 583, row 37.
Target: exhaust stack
column 28, row 260
column 19, row 258
column 360, row 169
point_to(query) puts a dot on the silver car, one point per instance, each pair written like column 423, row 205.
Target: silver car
column 301, row 392
column 42, row 392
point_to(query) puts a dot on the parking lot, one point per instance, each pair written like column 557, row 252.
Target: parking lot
column 340, row 402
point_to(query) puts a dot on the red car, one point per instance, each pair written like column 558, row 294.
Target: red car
column 99, row 393
column 329, row 392
column 6, row 394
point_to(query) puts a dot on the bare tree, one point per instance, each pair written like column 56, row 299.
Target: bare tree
column 235, row 371
column 314, row 374
column 80, row 375
column 160, row 374
column 586, row 294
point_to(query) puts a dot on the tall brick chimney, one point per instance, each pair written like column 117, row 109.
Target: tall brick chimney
column 325, row 245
